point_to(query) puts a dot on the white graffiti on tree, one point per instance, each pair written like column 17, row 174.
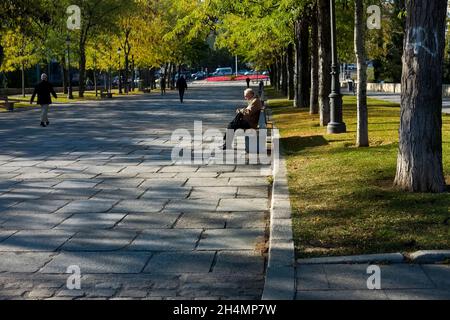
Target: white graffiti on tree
column 421, row 38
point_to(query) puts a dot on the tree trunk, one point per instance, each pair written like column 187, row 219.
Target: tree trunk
column 314, row 93
column 284, row 73
column 290, row 71
column 64, row 76
column 82, row 69
column 297, row 76
column 127, row 66
column 419, row 162
column 23, row 80
column 304, row 63
column 324, row 27
column 362, row 134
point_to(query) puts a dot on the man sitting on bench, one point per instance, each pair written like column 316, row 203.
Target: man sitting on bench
column 246, row 118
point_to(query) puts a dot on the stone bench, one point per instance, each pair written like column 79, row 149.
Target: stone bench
column 105, row 94
column 8, row 103
column 262, row 124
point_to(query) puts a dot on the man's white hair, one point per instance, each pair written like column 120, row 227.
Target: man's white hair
column 44, row 76
column 247, row 91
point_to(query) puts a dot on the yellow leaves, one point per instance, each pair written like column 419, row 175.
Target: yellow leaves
column 18, row 50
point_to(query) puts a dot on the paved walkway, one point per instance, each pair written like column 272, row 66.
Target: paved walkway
column 349, row 282
column 395, row 97
column 96, row 190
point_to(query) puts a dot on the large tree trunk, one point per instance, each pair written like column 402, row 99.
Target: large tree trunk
column 419, row 162
column 82, row 68
column 272, row 71
column 290, row 71
column 284, row 73
column 64, row 76
column 23, row 80
column 302, row 62
column 362, row 134
column 324, row 27
column 314, row 93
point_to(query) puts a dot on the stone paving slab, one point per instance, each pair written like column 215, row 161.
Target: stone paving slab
column 247, row 204
column 23, row 262
column 191, row 205
column 93, row 262
column 240, row 262
column 143, row 221
column 203, row 220
column 85, row 206
column 140, row 206
column 89, row 221
column 180, row 262
column 39, row 206
column 231, row 239
column 35, row 240
column 32, row 220
column 166, row 240
column 100, row 240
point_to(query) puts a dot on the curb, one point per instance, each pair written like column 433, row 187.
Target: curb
column 418, row 257
column 280, row 273
column 429, row 256
column 366, row 258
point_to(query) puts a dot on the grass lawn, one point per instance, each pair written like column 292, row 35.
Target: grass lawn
column 62, row 98
column 342, row 196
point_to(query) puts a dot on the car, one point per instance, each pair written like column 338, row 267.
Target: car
column 228, row 71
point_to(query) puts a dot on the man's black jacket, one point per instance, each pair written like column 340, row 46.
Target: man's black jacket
column 43, row 91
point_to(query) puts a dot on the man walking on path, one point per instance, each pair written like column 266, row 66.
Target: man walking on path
column 43, row 91
column 182, row 86
column 248, row 82
column 162, row 84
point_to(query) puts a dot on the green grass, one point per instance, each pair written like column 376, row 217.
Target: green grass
column 343, row 197
column 62, row 98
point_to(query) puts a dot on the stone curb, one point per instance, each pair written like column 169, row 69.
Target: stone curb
column 429, row 256
column 419, row 257
column 367, row 258
column 280, row 273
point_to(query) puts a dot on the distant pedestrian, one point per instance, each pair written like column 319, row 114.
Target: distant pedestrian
column 261, row 92
column 162, row 84
column 43, row 91
column 182, row 86
column 248, row 82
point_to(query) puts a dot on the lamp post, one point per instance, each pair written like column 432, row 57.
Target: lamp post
column 120, row 73
column 336, row 125
column 70, row 94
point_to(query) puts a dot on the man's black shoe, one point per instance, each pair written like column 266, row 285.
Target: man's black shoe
column 47, row 123
column 43, row 124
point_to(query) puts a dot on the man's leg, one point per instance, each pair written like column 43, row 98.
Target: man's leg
column 234, row 126
column 181, row 95
column 44, row 111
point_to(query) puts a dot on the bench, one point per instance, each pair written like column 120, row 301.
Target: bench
column 8, row 103
column 105, row 94
column 262, row 124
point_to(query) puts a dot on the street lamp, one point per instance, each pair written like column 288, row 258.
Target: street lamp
column 70, row 94
column 336, row 125
column 120, row 73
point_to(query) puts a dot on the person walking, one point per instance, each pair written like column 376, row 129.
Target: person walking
column 182, row 86
column 248, row 82
column 162, row 84
column 43, row 90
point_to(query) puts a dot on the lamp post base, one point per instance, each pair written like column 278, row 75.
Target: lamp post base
column 336, row 127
